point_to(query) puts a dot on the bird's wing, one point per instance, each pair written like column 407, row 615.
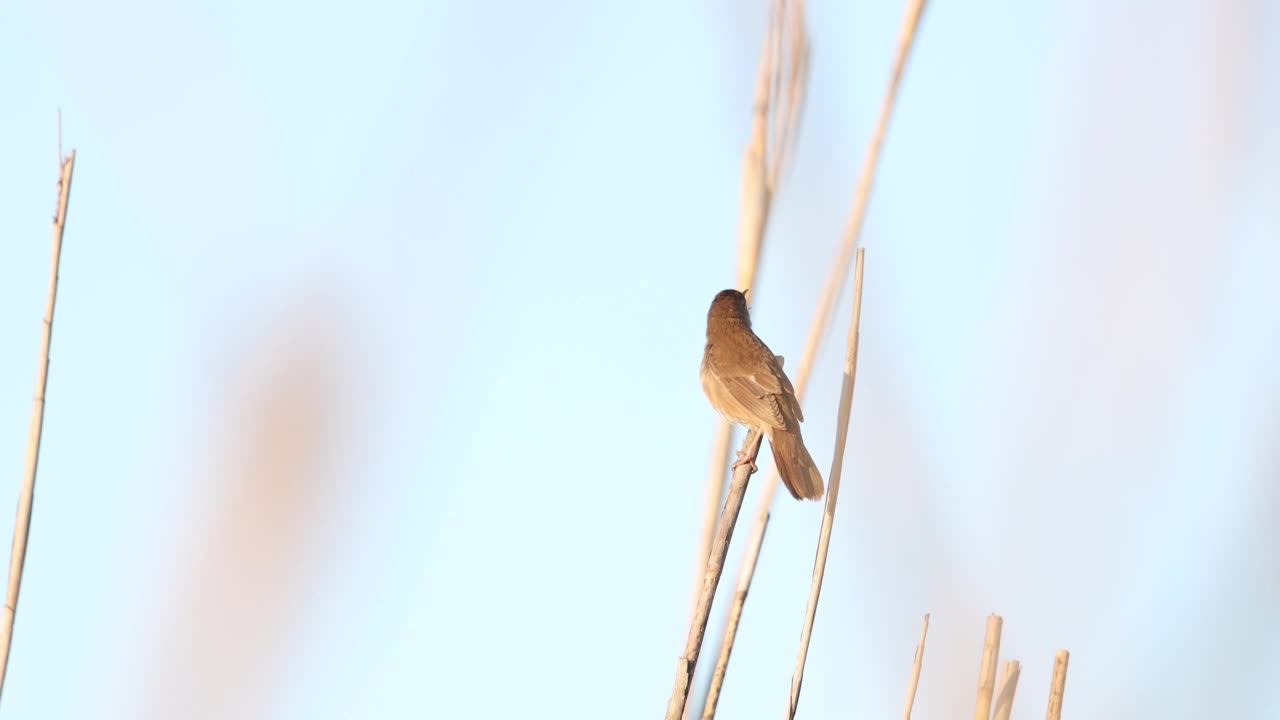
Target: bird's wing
column 788, row 392
column 749, row 394
column 748, row 391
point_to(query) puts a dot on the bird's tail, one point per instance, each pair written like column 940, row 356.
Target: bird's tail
column 798, row 471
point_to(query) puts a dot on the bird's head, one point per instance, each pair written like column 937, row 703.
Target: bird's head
column 729, row 306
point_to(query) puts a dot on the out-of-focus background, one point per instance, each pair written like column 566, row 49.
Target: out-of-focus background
column 374, row 377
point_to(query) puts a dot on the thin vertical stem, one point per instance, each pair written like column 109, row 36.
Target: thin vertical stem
column 833, row 490
column 26, row 497
column 987, row 672
column 916, row 666
column 1059, row 685
column 711, row 502
column 1008, row 686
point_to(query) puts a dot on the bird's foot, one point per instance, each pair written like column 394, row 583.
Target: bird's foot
column 744, row 460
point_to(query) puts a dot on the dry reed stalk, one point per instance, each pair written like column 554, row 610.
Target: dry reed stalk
column 792, row 92
column 839, row 267
column 1008, row 686
column 735, row 614
column 720, row 445
column 761, row 166
column 916, row 666
column 987, row 671
column 26, row 497
column 833, row 488
column 711, row 579
column 1058, row 686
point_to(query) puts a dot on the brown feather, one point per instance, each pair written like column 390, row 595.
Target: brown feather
column 795, row 466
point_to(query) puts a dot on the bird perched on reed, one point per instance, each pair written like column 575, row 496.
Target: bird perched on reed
column 745, row 383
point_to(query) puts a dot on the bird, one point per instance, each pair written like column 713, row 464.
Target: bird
column 743, row 380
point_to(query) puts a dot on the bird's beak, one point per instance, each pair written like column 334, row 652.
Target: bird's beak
column 744, row 292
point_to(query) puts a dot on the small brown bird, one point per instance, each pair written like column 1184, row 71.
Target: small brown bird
column 744, row 381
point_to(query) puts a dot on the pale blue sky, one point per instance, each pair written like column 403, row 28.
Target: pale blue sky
column 488, row 232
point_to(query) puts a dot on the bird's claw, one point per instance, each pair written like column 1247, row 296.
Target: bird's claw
column 744, row 460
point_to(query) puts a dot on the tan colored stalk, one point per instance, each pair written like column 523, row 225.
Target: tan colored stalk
column 840, row 265
column 1059, row 685
column 711, row 501
column 833, row 488
column 26, row 498
column 711, row 579
column 735, row 614
column 987, row 671
column 1008, row 686
column 789, row 94
column 916, row 666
